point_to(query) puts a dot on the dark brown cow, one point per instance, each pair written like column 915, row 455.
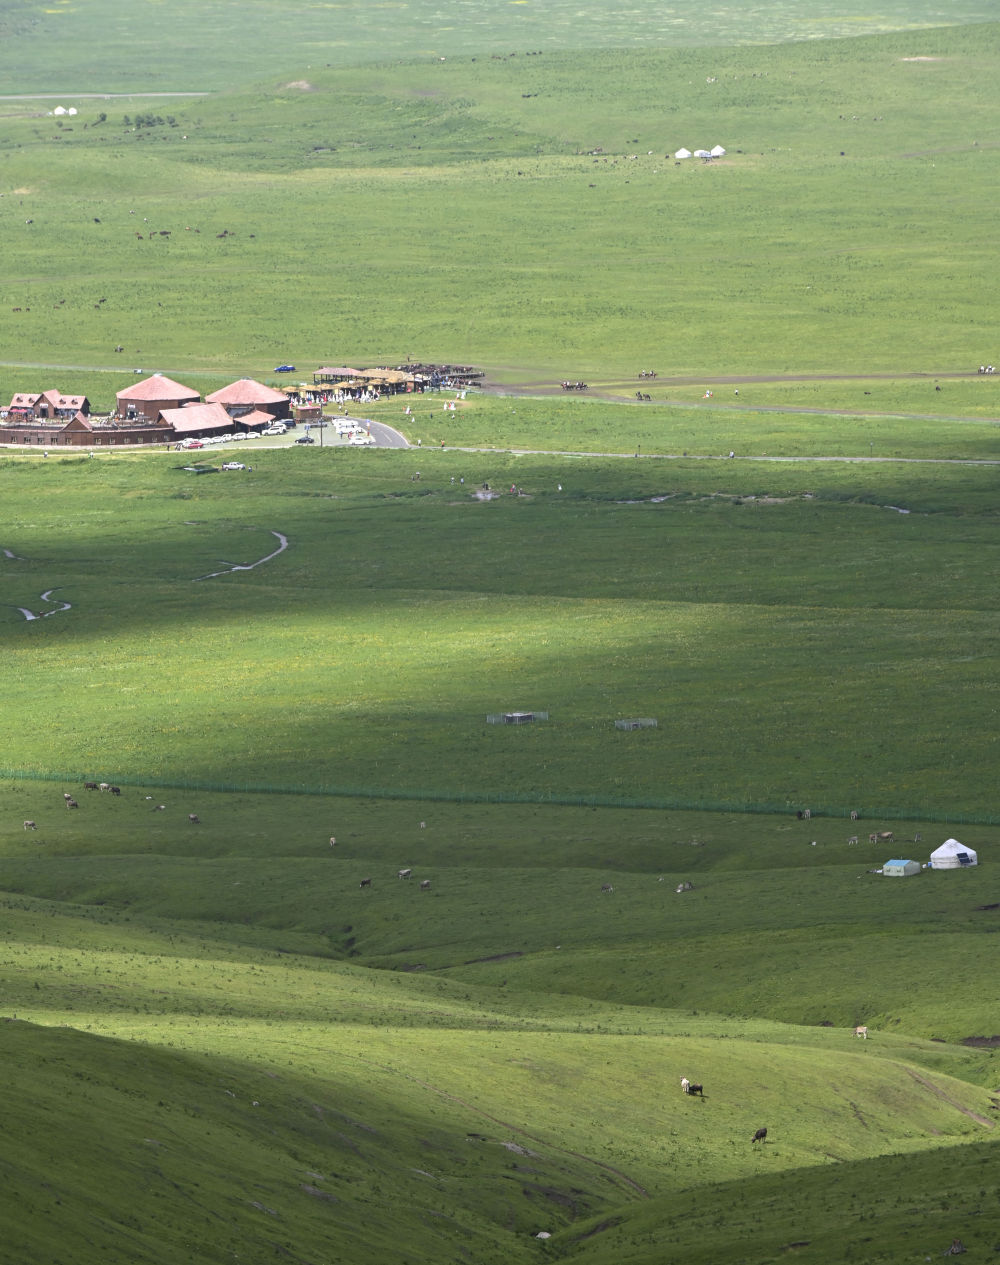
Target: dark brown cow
column 759, row 1136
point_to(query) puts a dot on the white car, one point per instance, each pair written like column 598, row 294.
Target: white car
column 362, row 440
column 274, row 430
column 233, row 465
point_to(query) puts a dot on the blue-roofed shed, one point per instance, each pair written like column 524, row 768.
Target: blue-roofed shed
column 900, row 869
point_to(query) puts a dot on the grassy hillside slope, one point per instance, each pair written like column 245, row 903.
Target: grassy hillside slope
column 100, row 47
column 764, row 631
column 456, row 212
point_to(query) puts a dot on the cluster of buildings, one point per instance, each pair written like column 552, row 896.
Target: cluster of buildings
column 158, row 410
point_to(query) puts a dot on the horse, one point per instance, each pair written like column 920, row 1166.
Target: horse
column 759, row 1136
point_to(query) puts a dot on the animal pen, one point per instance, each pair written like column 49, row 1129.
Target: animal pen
column 514, row 718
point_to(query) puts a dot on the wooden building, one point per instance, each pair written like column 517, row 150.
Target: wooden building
column 246, row 396
column 151, row 396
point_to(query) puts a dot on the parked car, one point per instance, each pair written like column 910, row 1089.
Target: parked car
column 191, row 443
column 362, row 440
column 233, row 465
column 277, row 429
column 305, row 439
column 284, row 368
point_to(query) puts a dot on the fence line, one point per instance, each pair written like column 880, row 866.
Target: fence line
column 563, row 799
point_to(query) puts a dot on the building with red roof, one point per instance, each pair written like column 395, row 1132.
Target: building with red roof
column 152, row 395
column 246, row 396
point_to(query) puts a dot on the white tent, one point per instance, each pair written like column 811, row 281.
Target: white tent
column 718, row 152
column 952, row 855
column 683, row 153
column 901, row 868
column 703, row 153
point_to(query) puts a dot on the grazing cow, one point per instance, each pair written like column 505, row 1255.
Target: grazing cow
column 759, row 1136
column 90, row 786
column 404, row 873
column 103, row 786
column 71, row 803
column 423, row 825
column 606, row 887
column 861, row 1031
column 884, row 836
column 425, row 885
column 684, row 887
column 160, row 808
column 115, row 790
column 365, row 882
column 67, row 795
column 853, row 839
column 30, row 825
column 854, row 814
column 806, row 814
column 194, row 819
column 692, row 1087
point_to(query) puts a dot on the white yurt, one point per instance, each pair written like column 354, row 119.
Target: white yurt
column 683, row 153
column 952, row 855
column 717, row 151
column 703, row 153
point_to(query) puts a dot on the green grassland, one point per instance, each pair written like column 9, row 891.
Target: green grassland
column 724, row 599
column 217, row 1044
column 98, row 46
column 369, row 216
column 466, row 1060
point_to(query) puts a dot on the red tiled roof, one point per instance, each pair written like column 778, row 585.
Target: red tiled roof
column 28, row 399
column 246, row 391
column 196, row 417
column 158, row 388
column 58, row 400
column 256, row 418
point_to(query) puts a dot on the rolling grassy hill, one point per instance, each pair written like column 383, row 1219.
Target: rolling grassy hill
column 500, row 1054
column 218, row 1045
column 368, row 216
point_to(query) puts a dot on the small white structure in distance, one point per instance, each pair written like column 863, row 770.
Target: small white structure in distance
column 703, row 153
column 683, row 153
column 60, row 109
column 71, row 110
column 639, row 722
column 952, row 855
column 717, row 151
